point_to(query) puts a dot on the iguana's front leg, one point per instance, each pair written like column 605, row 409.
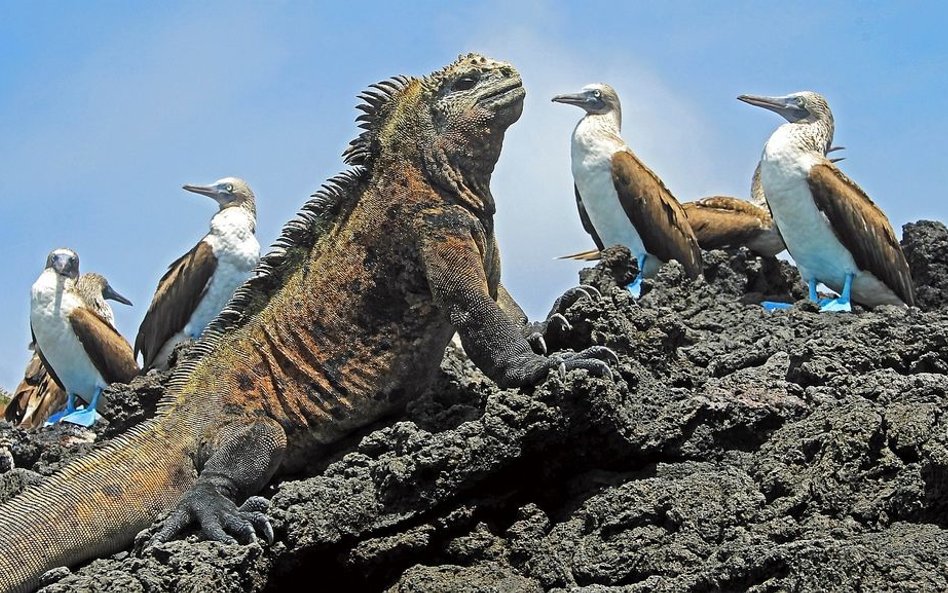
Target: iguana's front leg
column 491, row 338
column 243, row 458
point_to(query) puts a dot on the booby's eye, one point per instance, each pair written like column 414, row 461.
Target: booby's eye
column 464, row 84
column 229, row 187
column 597, row 94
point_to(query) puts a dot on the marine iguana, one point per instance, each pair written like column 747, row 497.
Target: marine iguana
column 345, row 320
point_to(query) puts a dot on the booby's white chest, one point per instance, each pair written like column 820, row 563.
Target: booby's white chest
column 806, row 231
column 237, row 252
column 591, row 157
column 50, row 306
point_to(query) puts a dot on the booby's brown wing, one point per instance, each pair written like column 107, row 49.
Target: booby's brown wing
column 722, row 221
column 178, row 294
column 862, row 228
column 656, row 214
column 32, row 378
column 584, row 218
column 109, row 352
column 46, row 365
column 35, row 397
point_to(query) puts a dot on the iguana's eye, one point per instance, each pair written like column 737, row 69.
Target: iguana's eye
column 464, row 84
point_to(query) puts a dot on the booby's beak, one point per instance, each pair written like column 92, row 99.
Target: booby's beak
column 211, row 191
column 110, row 294
column 788, row 106
column 579, row 99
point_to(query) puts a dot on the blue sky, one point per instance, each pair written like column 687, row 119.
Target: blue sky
column 106, row 108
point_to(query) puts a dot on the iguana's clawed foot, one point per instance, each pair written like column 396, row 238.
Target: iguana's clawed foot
column 536, row 331
column 595, row 359
column 220, row 519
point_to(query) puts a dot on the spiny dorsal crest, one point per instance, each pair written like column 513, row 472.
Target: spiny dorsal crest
column 327, row 207
column 301, row 233
column 376, row 106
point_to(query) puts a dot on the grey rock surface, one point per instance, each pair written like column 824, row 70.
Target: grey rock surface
column 737, row 450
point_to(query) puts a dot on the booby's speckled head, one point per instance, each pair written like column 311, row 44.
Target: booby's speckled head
column 804, row 106
column 451, row 123
column 596, row 98
column 65, row 262
column 92, row 285
column 227, row 192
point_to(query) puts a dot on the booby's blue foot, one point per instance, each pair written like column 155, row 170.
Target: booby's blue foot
column 636, row 287
column 69, row 409
column 775, row 305
column 87, row 416
column 842, row 302
column 835, row 305
column 813, row 295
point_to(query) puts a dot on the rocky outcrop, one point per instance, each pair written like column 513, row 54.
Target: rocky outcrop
column 736, row 450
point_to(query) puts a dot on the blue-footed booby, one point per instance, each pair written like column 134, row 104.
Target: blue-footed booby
column 82, row 351
column 620, row 200
column 198, row 284
column 38, row 395
column 725, row 221
column 834, row 232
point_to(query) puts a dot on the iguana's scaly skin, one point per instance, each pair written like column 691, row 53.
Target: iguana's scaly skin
column 346, row 320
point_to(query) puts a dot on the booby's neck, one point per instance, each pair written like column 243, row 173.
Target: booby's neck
column 599, row 124
column 793, row 140
column 93, row 298
column 49, row 288
column 595, row 139
column 235, row 217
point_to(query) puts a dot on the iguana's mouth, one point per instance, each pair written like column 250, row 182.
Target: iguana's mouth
column 504, row 96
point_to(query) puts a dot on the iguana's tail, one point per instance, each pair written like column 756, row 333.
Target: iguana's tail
column 93, row 506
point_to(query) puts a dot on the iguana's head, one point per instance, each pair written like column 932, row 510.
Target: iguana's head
column 450, row 123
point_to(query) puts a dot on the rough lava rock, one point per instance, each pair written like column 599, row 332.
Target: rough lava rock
column 737, row 450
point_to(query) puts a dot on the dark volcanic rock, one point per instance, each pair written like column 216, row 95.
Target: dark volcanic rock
column 926, row 248
column 737, row 450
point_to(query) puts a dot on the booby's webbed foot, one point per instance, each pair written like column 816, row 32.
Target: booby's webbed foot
column 636, row 287
column 220, row 519
column 84, row 417
column 775, row 305
column 536, row 331
column 69, row 409
column 87, row 416
column 842, row 302
column 595, row 359
column 835, row 305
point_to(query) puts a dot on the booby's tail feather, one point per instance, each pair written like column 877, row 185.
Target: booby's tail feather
column 591, row 255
